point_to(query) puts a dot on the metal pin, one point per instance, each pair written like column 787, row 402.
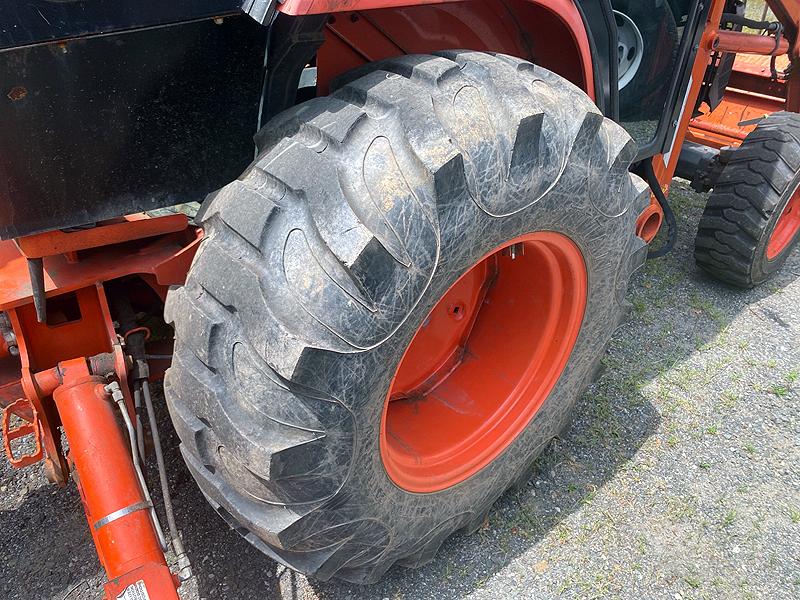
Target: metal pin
column 36, row 273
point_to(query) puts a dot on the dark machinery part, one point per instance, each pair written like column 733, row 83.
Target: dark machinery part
column 690, row 44
column 740, row 20
column 185, row 569
column 45, row 21
column 669, row 216
column 598, row 16
column 36, row 272
column 294, row 42
column 102, row 126
column 701, row 165
column 750, row 223
column 135, row 339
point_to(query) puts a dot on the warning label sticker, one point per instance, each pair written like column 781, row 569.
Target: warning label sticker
column 136, row 591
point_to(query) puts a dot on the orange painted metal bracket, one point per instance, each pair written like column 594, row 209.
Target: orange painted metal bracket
column 25, row 429
column 648, row 223
column 735, row 117
column 167, row 257
column 751, row 94
column 125, row 229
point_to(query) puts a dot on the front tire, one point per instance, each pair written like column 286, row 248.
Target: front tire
column 751, row 222
column 323, row 261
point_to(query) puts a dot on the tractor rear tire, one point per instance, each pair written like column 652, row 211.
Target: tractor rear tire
column 751, row 222
column 645, row 95
column 322, row 262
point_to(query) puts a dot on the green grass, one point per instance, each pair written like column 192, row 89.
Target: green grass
column 681, row 508
column 781, row 391
column 728, row 519
column 692, row 581
column 729, row 399
column 705, row 306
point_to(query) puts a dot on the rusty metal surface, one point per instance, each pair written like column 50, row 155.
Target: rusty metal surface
column 27, row 428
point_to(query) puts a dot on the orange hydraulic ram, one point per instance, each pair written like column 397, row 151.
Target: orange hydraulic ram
column 747, row 43
column 116, row 506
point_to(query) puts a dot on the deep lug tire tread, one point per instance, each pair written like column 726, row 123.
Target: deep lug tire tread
column 306, row 262
column 742, row 210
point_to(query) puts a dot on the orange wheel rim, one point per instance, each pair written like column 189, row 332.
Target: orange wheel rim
column 483, row 362
column 786, row 228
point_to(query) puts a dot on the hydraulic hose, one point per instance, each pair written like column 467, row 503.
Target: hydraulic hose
column 669, row 216
column 172, row 526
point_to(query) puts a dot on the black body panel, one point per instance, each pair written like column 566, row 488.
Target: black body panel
column 26, row 22
column 101, row 126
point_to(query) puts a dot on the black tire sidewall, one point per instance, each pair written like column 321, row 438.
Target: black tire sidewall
column 604, row 243
column 763, row 267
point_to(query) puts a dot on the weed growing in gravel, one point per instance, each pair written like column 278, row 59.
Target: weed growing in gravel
column 705, row 306
column 779, row 390
column 729, row 399
column 681, row 508
column 728, row 519
column 692, row 581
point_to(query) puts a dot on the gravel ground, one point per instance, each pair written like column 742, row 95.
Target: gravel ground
column 680, row 477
